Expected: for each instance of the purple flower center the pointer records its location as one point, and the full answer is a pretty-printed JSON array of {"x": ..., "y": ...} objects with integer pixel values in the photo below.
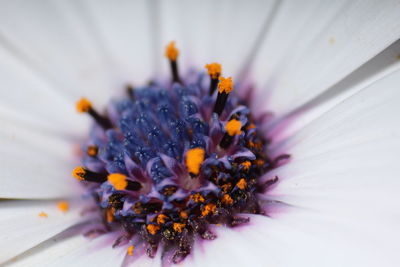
[{"x": 168, "y": 161}]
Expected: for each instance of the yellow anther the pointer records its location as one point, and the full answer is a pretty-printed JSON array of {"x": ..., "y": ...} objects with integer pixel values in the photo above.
[
  {"x": 227, "y": 200},
  {"x": 152, "y": 228},
  {"x": 241, "y": 184},
  {"x": 194, "y": 159},
  {"x": 43, "y": 215},
  {"x": 214, "y": 70},
  {"x": 178, "y": 227},
  {"x": 130, "y": 250},
  {"x": 79, "y": 173},
  {"x": 197, "y": 198},
  {"x": 92, "y": 150},
  {"x": 63, "y": 206},
  {"x": 233, "y": 127},
  {"x": 118, "y": 181},
  {"x": 246, "y": 165},
  {"x": 83, "y": 105},
  {"x": 225, "y": 85},
  {"x": 209, "y": 208},
  {"x": 161, "y": 218},
  {"x": 171, "y": 52}
]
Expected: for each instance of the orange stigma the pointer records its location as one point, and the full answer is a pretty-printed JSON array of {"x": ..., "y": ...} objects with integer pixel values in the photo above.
[
  {"x": 194, "y": 159},
  {"x": 63, "y": 206},
  {"x": 233, "y": 127},
  {"x": 225, "y": 85},
  {"x": 171, "y": 52},
  {"x": 118, "y": 181},
  {"x": 197, "y": 198},
  {"x": 83, "y": 105},
  {"x": 79, "y": 173},
  {"x": 214, "y": 70}
]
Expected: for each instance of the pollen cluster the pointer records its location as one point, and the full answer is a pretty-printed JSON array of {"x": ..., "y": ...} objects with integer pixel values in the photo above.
[{"x": 175, "y": 159}]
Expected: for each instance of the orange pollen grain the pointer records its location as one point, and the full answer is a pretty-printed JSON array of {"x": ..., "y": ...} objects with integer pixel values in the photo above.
[
  {"x": 161, "y": 218},
  {"x": 194, "y": 159},
  {"x": 83, "y": 105},
  {"x": 241, "y": 184},
  {"x": 171, "y": 52},
  {"x": 209, "y": 208},
  {"x": 183, "y": 214},
  {"x": 226, "y": 187},
  {"x": 246, "y": 165},
  {"x": 63, "y": 206},
  {"x": 118, "y": 181},
  {"x": 225, "y": 85},
  {"x": 152, "y": 228},
  {"x": 197, "y": 198},
  {"x": 214, "y": 70},
  {"x": 227, "y": 200},
  {"x": 92, "y": 151},
  {"x": 130, "y": 250},
  {"x": 233, "y": 127},
  {"x": 178, "y": 227},
  {"x": 43, "y": 215},
  {"x": 78, "y": 173}
]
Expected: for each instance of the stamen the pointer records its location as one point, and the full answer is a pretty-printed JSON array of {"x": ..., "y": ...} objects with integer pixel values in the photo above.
[
  {"x": 233, "y": 127},
  {"x": 171, "y": 52},
  {"x": 161, "y": 219},
  {"x": 119, "y": 182},
  {"x": 63, "y": 206},
  {"x": 178, "y": 227},
  {"x": 214, "y": 70},
  {"x": 209, "y": 208},
  {"x": 85, "y": 106},
  {"x": 82, "y": 174},
  {"x": 194, "y": 159},
  {"x": 225, "y": 86},
  {"x": 130, "y": 90},
  {"x": 152, "y": 228},
  {"x": 227, "y": 200},
  {"x": 241, "y": 184}
]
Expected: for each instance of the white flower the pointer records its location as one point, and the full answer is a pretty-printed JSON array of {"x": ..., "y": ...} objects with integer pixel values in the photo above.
[{"x": 329, "y": 69}]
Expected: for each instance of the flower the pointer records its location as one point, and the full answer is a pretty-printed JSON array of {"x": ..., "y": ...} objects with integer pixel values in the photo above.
[{"x": 328, "y": 71}]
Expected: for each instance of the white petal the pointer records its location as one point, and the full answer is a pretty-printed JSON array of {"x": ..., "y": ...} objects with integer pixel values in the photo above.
[
  {"x": 22, "y": 228},
  {"x": 35, "y": 163},
  {"x": 343, "y": 181},
  {"x": 75, "y": 251},
  {"x": 124, "y": 35},
  {"x": 61, "y": 46},
  {"x": 311, "y": 46},
  {"x": 208, "y": 31},
  {"x": 27, "y": 95},
  {"x": 375, "y": 69}
]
